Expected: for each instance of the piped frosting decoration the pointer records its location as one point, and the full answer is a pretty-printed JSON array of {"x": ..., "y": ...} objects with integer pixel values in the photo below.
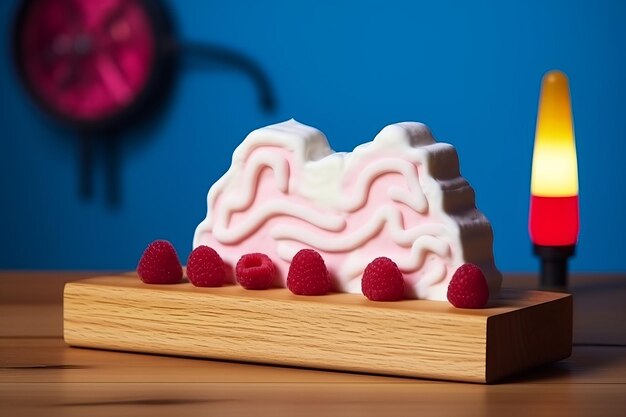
[{"x": 400, "y": 196}]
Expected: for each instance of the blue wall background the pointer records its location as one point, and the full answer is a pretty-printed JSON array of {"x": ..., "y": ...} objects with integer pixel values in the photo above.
[{"x": 470, "y": 70}]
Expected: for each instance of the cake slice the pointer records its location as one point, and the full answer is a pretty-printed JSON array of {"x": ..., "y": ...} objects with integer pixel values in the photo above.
[{"x": 399, "y": 196}]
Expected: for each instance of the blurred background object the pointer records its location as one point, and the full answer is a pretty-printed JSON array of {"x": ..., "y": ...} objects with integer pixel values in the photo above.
[
  {"x": 468, "y": 70},
  {"x": 101, "y": 66}
]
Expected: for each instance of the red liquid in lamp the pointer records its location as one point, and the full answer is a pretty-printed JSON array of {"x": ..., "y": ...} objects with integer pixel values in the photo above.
[{"x": 553, "y": 220}]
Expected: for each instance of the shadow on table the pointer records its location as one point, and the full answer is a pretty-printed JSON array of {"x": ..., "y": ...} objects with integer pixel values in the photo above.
[{"x": 588, "y": 364}]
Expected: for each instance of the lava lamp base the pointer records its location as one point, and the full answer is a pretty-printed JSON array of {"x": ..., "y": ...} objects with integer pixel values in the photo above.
[{"x": 554, "y": 265}]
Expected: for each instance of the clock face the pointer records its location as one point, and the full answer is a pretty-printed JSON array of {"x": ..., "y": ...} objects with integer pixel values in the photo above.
[{"x": 84, "y": 60}]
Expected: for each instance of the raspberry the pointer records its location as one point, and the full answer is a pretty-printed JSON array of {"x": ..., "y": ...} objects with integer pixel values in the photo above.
[
  {"x": 468, "y": 287},
  {"x": 383, "y": 281},
  {"x": 308, "y": 274},
  {"x": 255, "y": 271},
  {"x": 159, "y": 264},
  {"x": 205, "y": 268}
]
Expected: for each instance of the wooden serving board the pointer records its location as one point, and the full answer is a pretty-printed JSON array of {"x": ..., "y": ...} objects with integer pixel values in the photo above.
[{"x": 415, "y": 338}]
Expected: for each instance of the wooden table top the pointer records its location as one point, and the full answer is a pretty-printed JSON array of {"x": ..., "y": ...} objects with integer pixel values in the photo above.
[{"x": 40, "y": 375}]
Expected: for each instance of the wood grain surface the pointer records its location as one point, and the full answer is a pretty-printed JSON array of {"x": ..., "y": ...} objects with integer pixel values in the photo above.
[
  {"x": 413, "y": 338},
  {"x": 41, "y": 375}
]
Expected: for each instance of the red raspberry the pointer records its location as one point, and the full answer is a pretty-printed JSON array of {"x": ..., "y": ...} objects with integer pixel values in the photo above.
[
  {"x": 205, "y": 268},
  {"x": 468, "y": 287},
  {"x": 255, "y": 271},
  {"x": 308, "y": 274},
  {"x": 383, "y": 281},
  {"x": 159, "y": 264}
]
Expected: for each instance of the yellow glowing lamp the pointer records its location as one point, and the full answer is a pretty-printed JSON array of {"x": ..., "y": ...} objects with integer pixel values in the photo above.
[
  {"x": 555, "y": 171},
  {"x": 553, "y": 220}
]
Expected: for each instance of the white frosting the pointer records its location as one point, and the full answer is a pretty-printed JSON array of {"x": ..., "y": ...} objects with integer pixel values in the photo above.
[{"x": 400, "y": 196}]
